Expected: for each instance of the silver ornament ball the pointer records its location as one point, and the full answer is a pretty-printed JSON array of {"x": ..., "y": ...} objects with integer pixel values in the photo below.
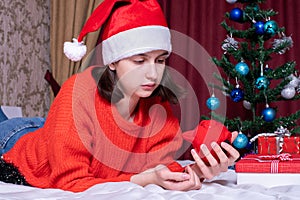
[
  {"x": 231, "y": 1},
  {"x": 288, "y": 93},
  {"x": 247, "y": 104}
]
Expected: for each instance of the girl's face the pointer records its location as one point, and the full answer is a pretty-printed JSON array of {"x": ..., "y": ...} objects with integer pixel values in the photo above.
[{"x": 139, "y": 75}]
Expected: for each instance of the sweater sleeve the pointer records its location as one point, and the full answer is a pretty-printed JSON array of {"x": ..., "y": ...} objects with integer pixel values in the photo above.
[
  {"x": 165, "y": 144},
  {"x": 69, "y": 158}
]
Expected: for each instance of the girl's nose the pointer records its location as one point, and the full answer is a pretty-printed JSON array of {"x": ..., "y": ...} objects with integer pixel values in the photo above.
[{"x": 151, "y": 72}]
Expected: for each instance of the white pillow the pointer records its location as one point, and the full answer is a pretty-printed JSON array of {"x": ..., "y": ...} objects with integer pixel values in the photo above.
[{"x": 12, "y": 111}]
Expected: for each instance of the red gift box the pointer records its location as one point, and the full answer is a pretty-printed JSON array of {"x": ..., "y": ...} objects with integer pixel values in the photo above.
[
  {"x": 291, "y": 145},
  {"x": 275, "y": 145},
  {"x": 268, "y": 145},
  {"x": 258, "y": 163},
  {"x": 269, "y": 170}
]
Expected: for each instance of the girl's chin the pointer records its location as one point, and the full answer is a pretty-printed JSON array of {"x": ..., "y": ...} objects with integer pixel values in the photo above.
[{"x": 144, "y": 94}]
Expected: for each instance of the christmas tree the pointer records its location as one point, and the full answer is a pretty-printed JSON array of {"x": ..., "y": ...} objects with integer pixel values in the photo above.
[{"x": 246, "y": 75}]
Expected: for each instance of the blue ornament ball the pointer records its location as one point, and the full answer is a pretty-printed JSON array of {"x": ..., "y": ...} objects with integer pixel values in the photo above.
[
  {"x": 237, "y": 95},
  {"x": 271, "y": 28},
  {"x": 213, "y": 103},
  {"x": 241, "y": 141},
  {"x": 262, "y": 82},
  {"x": 268, "y": 114},
  {"x": 259, "y": 27},
  {"x": 242, "y": 68},
  {"x": 236, "y": 14}
]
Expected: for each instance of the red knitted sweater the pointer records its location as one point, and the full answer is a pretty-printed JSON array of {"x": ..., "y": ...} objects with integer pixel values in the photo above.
[{"x": 85, "y": 141}]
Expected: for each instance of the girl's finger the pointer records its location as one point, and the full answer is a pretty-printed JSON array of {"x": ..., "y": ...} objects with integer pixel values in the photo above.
[
  {"x": 165, "y": 174},
  {"x": 195, "y": 180},
  {"x": 201, "y": 165},
  {"x": 233, "y": 154},
  {"x": 234, "y": 134},
  {"x": 210, "y": 158},
  {"x": 224, "y": 160}
]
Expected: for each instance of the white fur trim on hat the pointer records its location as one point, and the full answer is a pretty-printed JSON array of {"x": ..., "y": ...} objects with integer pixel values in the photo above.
[{"x": 136, "y": 41}]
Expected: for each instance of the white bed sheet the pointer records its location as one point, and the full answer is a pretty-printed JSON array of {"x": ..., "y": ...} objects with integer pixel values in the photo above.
[{"x": 223, "y": 187}]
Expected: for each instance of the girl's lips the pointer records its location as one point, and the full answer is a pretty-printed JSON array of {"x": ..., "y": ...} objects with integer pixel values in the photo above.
[{"x": 149, "y": 86}]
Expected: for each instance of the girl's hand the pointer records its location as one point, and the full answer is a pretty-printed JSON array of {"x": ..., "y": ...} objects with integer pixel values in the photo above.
[
  {"x": 215, "y": 167},
  {"x": 167, "y": 179}
]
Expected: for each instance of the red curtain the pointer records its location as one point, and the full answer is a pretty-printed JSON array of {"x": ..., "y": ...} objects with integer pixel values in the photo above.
[{"x": 199, "y": 21}]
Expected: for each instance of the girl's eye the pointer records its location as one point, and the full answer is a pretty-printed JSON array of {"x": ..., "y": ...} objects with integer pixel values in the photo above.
[
  {"x": 141, "y": 61},
  {"x": 161, "y": 61}
]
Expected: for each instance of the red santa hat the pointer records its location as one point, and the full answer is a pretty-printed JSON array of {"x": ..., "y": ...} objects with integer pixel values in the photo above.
[{"x": 129, "y": 27}]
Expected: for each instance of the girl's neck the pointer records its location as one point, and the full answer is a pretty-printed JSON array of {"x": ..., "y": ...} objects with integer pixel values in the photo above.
[{"x": 126, "y": 107}]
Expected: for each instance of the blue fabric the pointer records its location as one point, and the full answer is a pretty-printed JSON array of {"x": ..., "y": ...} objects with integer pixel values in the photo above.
[
  {"x": 13, "y": 129},
  {"x": 3, "y": 117}
]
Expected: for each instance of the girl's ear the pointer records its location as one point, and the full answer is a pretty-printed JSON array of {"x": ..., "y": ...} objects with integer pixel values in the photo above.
[{"x": 112, "y": 66}]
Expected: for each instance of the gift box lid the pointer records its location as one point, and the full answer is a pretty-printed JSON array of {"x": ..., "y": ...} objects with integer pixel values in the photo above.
[{"x": 258, "y": 163}]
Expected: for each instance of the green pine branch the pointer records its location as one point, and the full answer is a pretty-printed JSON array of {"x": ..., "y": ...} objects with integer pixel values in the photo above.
[{"x": 252, "y": 49}]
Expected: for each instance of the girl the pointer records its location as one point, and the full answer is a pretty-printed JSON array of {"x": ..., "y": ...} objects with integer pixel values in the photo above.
[{"x": 113, "y": 123}]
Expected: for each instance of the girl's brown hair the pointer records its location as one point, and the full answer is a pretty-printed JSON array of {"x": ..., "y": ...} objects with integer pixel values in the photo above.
[{"x": 106, "y": 80}]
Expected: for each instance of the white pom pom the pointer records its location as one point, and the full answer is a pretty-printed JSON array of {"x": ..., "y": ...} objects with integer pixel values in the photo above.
[{"x": 74, "y": 50}]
